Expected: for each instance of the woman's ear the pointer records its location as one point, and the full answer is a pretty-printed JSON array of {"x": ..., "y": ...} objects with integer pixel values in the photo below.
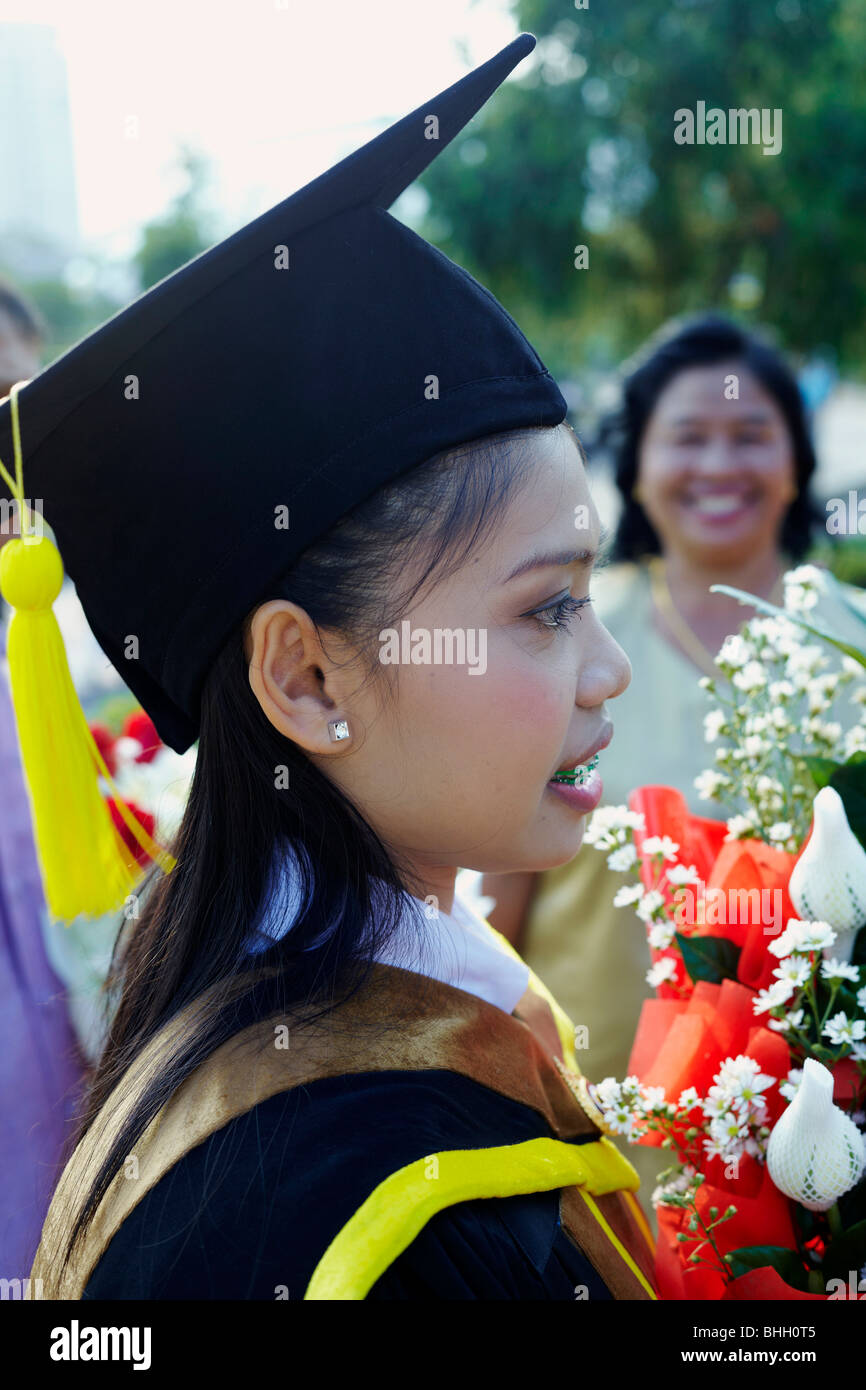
[{"x": 291, "y": 676}]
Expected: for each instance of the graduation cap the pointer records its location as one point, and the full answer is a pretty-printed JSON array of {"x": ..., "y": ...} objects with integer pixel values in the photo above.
[{"x": 282, "y": 375}]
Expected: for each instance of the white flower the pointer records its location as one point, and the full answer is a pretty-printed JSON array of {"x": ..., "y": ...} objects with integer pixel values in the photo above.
[
  {"x": 820, "y": 691},
  {"x": 660, "y": 844},
  {"x": 776, "y": 632},
  {"x": 622, "y": 859},
  {"x": 649, "y": 904},
  {"x": 820, "y": 730},
  {"x": 653, "y": 1098},
  {"x": 742, "y": 1076},
  {"x": 608, "y": 1092},
  {"x": 714, "y": 724},
  {"x": 772, "y": 998},
  {"x": 789, "y": 1020},
  {"x": 781, "y": 832},
  {"x": 841, "y": 1030},
  {"x": 805, "y": 577},
  {"x": 803, "y": 586},
  {"x": 661, "y": 934},
  {"x": 610, "y": 825},
  {"x": 752, "y": 677},
  {"x": 780, "y": 691},
  {"x": 676, "y": 1185},
  {"x": 839, "y": 970},
  {"x": 689, "y": 1099},
  {"x": 664, "y": 969},
  {"x": 802, "y": 938},
  {"x": 709, "y": 784},
  {"x": 806, "y": 574},
  {"x": 740, "y": 828},
  {"x": 715, "y": 1148},
  {"x": 758, "y": 724},
  {"x": 854, "y": 741},
  {"x": 796, "y": 970},
  {"x": 626, "y": 895},
  {"x": 735, "y": 651},
  {"x": 802, "y": 663},
  {"x": 789, "y": 1087},
  {"x": 754, "y": 746},
  {"x": 861, "y": 997},
  {"x": 680, "y": 874}
]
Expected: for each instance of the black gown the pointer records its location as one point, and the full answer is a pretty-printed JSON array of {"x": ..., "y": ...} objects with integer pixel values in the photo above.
[{"x": 249, "y": 1212}]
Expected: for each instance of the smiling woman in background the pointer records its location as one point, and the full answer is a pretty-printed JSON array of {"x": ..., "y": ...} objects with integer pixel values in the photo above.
[{"x": 713, "y": 459}]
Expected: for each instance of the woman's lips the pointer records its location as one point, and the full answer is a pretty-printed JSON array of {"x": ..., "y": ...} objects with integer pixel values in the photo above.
[{"x": 582, "y": 797}]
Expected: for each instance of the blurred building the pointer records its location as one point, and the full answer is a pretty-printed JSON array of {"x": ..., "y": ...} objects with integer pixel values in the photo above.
[{"x": 38, "y": 206}]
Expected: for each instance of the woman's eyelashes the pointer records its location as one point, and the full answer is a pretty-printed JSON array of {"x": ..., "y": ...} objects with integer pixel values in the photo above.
[{"x": 559, "y": 613}]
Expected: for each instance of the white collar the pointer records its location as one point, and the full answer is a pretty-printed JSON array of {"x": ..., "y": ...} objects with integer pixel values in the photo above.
[{"x": 458, "y": 948}]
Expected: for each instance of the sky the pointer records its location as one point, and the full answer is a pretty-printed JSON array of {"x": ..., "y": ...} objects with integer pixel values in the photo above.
[{"x": 272, "y": 91}]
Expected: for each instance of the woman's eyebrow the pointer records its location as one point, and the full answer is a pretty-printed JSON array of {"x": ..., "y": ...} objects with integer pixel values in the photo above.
[{"x": 557, "y": 558}]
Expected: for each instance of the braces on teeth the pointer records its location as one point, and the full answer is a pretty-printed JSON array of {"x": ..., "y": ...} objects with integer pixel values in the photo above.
[{"x": 577, "y": 775}]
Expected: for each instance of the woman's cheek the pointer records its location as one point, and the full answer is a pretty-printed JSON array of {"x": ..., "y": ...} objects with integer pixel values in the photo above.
[{"x": 536, "y": 707}]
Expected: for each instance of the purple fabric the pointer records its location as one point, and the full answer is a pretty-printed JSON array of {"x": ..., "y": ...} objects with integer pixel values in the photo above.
[{"x": 40, "y": 1066}]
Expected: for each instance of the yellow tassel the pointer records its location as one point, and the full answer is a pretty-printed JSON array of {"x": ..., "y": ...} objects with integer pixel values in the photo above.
[{"x": 86, "y": 867}]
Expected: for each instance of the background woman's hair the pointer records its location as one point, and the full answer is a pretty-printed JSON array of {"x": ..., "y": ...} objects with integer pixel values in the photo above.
[
  {"x": 702, "y": 342},
  {"x": 194, "y": 931},
  {"x": 27, "y": 319}
]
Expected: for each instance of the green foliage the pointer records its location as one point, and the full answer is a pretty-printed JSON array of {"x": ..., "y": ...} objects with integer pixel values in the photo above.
[
  {"x": 710, "y": 958},
  {"x": 846, "y": 1252},
  {"x": 69, "y": 314},
  {"x": 849, "y": 780},
  {"x": 581, "y": 151},
  {"x": 846, "y": 559},
  {"x": 786, "y": 1262},
  {"x": 182, "y": 233}
]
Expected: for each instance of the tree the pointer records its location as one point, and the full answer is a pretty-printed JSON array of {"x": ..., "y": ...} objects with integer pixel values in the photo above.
[
  {"x": 184, "y": 231},
  {"x": 582, "y": 151}
]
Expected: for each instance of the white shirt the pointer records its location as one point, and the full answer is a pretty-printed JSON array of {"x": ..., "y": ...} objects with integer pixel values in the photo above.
[{"x": 456, "y": 948}]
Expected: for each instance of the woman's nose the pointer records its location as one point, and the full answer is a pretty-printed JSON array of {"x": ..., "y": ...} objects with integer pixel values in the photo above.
[{"x": 608, "y": 675}]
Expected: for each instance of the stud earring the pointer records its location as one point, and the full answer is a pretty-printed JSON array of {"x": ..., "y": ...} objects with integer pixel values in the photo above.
[{"x": 338, "y": 729}]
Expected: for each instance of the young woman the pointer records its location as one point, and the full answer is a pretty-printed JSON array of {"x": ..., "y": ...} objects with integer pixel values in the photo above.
[{"x": 366, "y": 596}]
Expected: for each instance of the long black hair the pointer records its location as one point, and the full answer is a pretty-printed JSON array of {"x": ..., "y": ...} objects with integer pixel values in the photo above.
[
  {"x": 700, "y": 342},
  {"x": 189, "y": 949}
]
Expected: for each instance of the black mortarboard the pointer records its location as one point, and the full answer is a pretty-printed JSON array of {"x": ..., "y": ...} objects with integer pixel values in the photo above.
[{"x": 284, "y": 368}]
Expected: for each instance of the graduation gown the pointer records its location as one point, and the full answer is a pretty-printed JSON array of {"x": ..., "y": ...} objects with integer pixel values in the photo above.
[{"x": 417, "y": 1142}]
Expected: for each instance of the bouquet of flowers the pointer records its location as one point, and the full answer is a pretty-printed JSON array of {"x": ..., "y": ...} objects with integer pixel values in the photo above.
[{"x": 750, "y": 1064}]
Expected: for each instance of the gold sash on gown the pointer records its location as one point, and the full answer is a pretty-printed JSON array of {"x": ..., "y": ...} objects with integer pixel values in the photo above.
[{"x": 428, "y": 1025}]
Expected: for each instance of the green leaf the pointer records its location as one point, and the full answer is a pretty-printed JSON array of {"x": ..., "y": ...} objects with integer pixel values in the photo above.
[
  {"x": 846, "y": 1252},
  {"x": 821, "y": 770},
  {"x": 849, "y": 780},
  {"x": 786, "y": 1262},
  {"x": 858, "y": 954},
  {"x": 817, "y": 629},
  {"x": 711, "y": 958}
]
